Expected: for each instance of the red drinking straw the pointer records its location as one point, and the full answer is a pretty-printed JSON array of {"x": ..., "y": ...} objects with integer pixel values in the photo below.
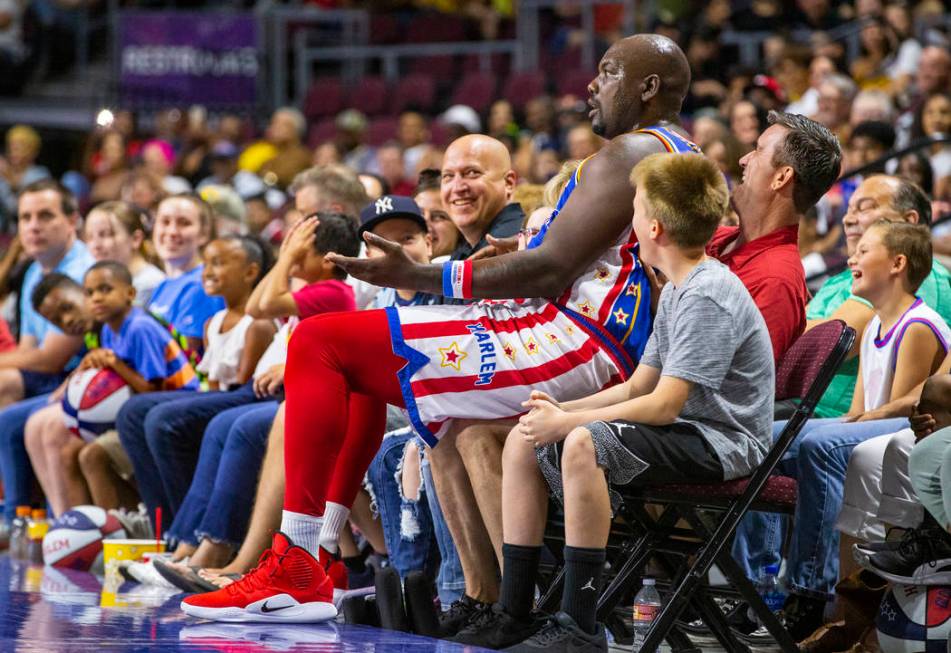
[{"x": 158, "y": 529}]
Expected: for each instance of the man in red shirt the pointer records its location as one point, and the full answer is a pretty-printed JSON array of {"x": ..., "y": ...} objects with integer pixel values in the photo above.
[{"x": 795, "y": 162}]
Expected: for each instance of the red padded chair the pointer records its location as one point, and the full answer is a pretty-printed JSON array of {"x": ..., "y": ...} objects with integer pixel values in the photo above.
[
  {"x": 321, "y": 132},
  {"x": 476, "y": 90},
  {"x": 324, "y": 98},
  {"x": 369, "y": 96},
  {"x": 522, "y": 87},
  {"x": 414, "y": 92},
  {"x": 574, "y": 82},
  {"x": 381, "y": 130}
]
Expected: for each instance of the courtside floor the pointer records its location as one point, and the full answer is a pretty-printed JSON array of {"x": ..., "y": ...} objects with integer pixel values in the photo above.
[{"x": 62, "y": 611}]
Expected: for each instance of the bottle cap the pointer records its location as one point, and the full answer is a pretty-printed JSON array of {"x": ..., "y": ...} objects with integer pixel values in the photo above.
[
  {"x": 23, "y": 511},
  {"x": 38, "y": 513},
  {"x": 771, "y": 569},
  {"x": 649, "y": 581}
]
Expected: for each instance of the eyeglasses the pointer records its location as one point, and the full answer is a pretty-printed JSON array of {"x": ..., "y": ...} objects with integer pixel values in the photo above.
[{"x": 528, "y": 232}]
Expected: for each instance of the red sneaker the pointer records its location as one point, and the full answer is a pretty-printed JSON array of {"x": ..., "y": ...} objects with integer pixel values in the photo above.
[
  {"x": 334, "y": 568},
  {"x": 288, "y": 585}
]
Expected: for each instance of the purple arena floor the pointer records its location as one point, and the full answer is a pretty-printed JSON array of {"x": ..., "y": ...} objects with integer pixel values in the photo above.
[{"x": 61, "y": 611}]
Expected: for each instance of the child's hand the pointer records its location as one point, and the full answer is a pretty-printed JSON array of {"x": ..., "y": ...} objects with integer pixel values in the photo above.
[
  {"x": 98, "y": 359},
  {"x": 538, "y": 395},
  {"x": 922, "y": 424},
  {"x": 57, "y": 394},
  {"x": 545, "y": 423},
  {"x": 270, "y": 382},
  {"x": 300, "y": 240}
]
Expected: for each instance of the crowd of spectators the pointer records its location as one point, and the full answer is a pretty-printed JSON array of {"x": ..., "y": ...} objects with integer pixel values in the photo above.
[{"x": 186, "y": 244}]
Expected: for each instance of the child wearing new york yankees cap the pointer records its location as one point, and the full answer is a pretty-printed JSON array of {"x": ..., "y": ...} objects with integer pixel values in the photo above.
[{"x": 399, "y": 220}]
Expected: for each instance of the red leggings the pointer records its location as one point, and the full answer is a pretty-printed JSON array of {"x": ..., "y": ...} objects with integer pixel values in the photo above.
[{"x": 341, "y": 374}]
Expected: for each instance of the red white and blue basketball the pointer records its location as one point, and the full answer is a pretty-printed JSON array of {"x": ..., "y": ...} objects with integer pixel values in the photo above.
[
  {"x": 74, "y": 540},
  {"x": 915, "y": 619},
  {"x": 92, "y": 401}
]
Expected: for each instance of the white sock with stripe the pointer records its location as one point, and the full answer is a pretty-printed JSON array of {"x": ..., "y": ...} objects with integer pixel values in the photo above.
[
  {"x": 303, "y": 530},
  {"x": 335, "y": 516}
]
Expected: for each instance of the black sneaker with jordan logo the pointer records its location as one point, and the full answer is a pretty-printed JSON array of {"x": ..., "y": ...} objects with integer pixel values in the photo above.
[{"x": 496, "y": 628}]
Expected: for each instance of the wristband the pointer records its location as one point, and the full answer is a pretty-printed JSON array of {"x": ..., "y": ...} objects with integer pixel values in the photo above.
[{"x": 457, "y": 279}]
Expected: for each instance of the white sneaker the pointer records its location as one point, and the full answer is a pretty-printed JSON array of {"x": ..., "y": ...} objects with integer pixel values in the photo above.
[
  {"x": 137, "y": 525},
  {"x": 147, "y": 574}
]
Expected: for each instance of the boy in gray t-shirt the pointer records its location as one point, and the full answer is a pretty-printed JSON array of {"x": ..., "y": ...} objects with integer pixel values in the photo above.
[{"x": 698, "y": 408}]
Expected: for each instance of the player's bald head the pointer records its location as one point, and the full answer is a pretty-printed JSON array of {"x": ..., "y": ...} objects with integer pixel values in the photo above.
[
  {"x": 490, "y": 152},
  {"x": 936, "y": 393},
  {"x": 640, "y": 78}
]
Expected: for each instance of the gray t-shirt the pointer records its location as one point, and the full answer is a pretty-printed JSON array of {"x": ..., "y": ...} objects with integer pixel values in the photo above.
[{"x": 708, "y": 331}]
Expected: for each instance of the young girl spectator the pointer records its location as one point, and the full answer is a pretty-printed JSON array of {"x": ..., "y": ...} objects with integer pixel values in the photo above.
[
  {"x": 114, "y": 232},
  {"x": 903, "y": 344},
  {"x": 935, "y": 118},
  {"x": 136, "y": 347}
]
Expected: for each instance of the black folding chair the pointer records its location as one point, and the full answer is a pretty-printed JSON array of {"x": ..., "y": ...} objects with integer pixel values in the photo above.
[{"x": 713, "y": 511}]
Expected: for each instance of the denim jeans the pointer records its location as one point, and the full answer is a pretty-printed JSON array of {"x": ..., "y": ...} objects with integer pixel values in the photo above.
[
  {"x": 817, "y": 459},
  {"x": 15, "y": 467},
  {"x": 219, "y": 501},
  {"x": 410, "y": 525},
  {"x": 162, "y": 432}
]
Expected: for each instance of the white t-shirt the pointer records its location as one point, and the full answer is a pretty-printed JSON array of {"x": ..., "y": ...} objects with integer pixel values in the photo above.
[
  {"x": 879, "y": 353},
  {"x": 223, "y": 354},
  {"x": 145, "y": 281}
]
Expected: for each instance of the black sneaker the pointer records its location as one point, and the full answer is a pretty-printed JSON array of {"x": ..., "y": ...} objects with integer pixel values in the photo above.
[
  {"x": 496, "y": 628},
  {"x": 802, "y": 616},
  {"x": 923, "y": 558},
  {"x": 562, "y": 635},
  {"x": 459, "y": 614}
]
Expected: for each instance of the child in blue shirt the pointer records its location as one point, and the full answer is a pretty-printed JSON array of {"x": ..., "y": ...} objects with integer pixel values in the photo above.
[{"x": 136, "y": 347}]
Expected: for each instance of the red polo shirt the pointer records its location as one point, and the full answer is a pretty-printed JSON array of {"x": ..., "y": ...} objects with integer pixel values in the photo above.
[{"x": 771, "y": 270}]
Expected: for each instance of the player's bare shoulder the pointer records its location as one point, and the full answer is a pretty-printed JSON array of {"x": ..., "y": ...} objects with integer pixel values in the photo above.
[{"x": 623, "y": 152}]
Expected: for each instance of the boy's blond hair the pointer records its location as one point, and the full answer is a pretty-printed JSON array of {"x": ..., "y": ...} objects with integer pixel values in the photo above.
[
  {"x": 686, "y": 193},
  {"x": 557, "y": 183},
  {"x": 913, "y": 241},
  {"x": 529, "y": 196}
]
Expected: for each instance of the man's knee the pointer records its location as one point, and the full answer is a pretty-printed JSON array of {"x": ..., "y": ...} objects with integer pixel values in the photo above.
[
  {"x": 578, "y": 455},
  {"x": 93, "y": 458},
  {"x": 475, "y": 443},
  {"x": 898, "y": 449}
]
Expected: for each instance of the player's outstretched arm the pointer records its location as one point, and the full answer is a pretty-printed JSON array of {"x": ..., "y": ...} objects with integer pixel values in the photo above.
[{"x": 591, "y": 221}]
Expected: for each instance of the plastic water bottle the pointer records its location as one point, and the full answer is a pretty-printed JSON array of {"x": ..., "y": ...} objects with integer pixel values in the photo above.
[
  {"x": 18, "y": 533},
  {"x": 36, "y": 530},
  {"x": 646, "y": 608},
  {"x": 771, "y": 591}
]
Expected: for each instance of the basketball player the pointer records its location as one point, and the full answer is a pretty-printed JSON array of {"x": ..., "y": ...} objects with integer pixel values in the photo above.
[{"x": 477, "y": 361}]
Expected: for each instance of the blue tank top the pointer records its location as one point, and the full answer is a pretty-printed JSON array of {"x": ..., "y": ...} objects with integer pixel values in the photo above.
[{"x": 624, "y": 320}]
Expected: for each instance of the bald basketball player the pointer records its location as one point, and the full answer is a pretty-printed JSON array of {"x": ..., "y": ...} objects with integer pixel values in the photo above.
[{"x": 581, "y": 326}]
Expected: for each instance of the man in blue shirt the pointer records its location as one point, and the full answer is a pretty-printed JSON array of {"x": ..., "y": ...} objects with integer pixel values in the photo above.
[{"x": 46, "y": 224}]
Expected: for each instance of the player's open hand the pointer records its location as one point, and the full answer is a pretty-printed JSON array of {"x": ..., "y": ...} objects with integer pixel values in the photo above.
[
  {"x": 394, "y": 269},
  {"x": 496, "y": 247},
  {"x": 544, "y": 423}
]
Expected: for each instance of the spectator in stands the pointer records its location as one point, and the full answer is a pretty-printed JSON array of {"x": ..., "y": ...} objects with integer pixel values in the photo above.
[
  {"x": 224, "y": 171},
  {"x": 443, "y": 233},
  {"x": 351, "y": 133},
  {"x": 389, "y": 159},
  {"x": 477, "y": 186},
  {"x": 113, "y": 231},
  {"x": 835, "y": 104},
  {"x": 413, "y": 135},
  {"x": 134, "y": 346},
  {"x": 286, "y": 133},
  {"x": 18, "y": 168},
  {"x": 108, "y": 167},
  {"x": 143, "y": 191},
  {"x": 868, "y": 142},
  {"x": 229, "y": 210},
  {"x": 502, "y": 120},
  {"x": 935, "y": 118},
  {"x": 460, "y": 120},
  {"x": 916, "y": 168},
  {"x": 933, "y": 76},
  {"x": 375, "y": 185},
  {"x": 582, "y": 142},
  {"x": 747, "y": 122},
  {"x": 566, "y": 446},
  {"x": 879, "y": 47},
  {"x": 872, "y": 105},
  {"x": 891, "y": 261},
  {"x": 158, "y": 158}
]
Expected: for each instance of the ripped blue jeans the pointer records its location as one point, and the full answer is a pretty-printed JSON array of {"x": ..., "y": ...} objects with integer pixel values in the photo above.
[{"x": 417, "y": 537}]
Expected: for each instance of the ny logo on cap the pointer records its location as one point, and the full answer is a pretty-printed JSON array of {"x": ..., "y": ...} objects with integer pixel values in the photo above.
[{"x": 384, "y": 205}]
